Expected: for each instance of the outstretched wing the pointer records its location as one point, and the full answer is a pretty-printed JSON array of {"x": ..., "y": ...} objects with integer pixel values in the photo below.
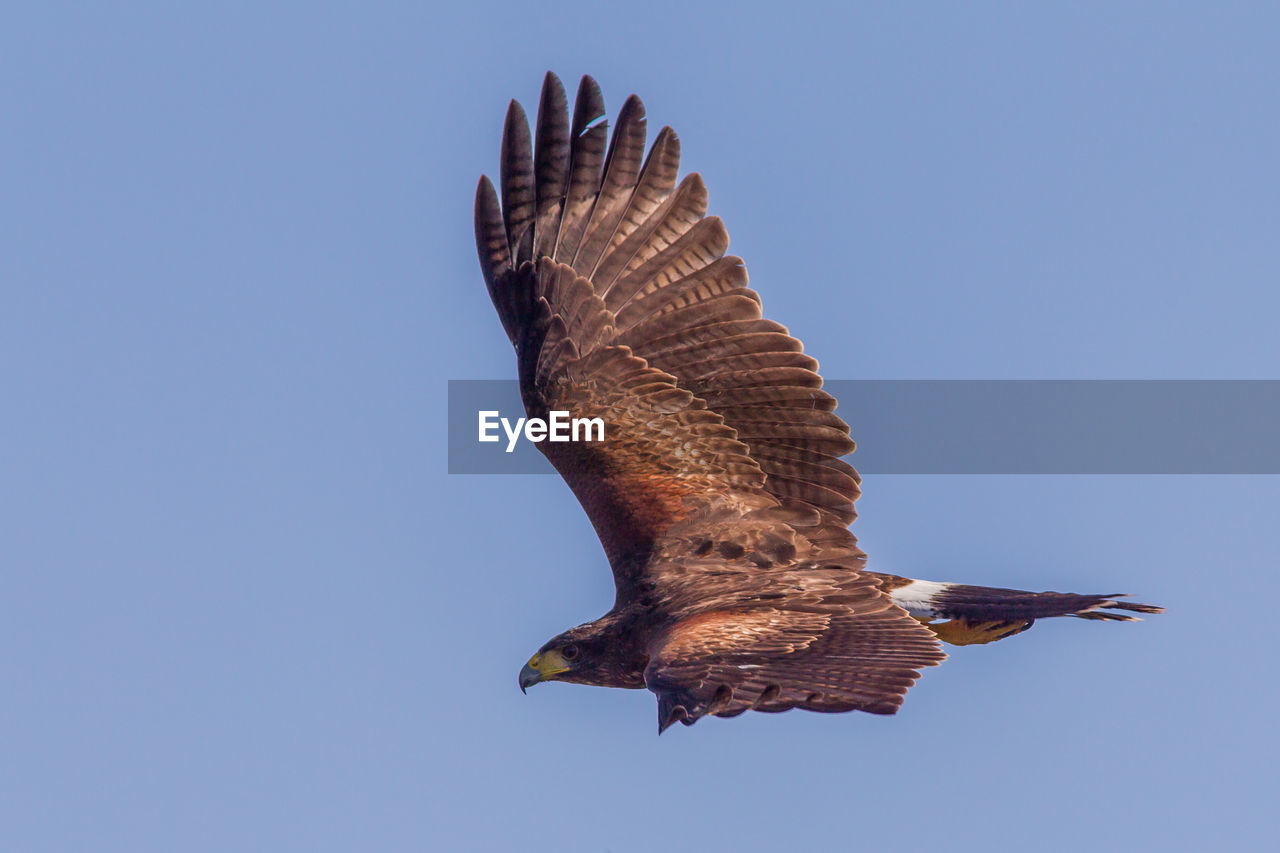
[
  {"x": 837, "y": 645},
  {"x": 614, "y": 287}
]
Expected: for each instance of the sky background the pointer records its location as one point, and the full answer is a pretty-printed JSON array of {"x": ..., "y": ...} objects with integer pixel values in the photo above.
[{"x": 242, "y": 605}]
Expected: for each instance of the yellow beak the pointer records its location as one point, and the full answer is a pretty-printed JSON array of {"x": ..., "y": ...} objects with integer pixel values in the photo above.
[{"x": 543, "y": 666}]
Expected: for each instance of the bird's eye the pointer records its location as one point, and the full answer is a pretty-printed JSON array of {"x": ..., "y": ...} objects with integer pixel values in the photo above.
[{"x": 569, "y": 652}]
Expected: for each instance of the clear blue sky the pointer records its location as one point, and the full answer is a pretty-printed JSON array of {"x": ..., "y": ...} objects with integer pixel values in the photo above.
[{"x": 242, "y": 607}]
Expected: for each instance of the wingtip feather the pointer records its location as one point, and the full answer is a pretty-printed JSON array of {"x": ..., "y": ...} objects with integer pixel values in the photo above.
[{"x": 491, "y": 235}]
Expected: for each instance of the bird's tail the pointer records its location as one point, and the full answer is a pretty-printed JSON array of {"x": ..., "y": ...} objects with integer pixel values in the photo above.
[{"x": 963, "y": 615}]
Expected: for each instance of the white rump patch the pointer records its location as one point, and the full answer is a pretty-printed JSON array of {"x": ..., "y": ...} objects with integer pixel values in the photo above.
[{"x": 917, "y": 597}]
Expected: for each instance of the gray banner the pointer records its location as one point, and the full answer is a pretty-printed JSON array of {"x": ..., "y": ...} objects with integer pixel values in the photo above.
[{"x": 981, "y": 426}]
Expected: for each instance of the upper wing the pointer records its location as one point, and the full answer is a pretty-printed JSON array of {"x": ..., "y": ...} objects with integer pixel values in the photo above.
[
  {"x": 613, "y": 286},
  {"x": 835, "y": 644}
]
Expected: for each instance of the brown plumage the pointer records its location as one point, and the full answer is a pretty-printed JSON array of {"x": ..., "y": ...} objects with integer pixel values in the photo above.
[{"x": 718, "y": 492}]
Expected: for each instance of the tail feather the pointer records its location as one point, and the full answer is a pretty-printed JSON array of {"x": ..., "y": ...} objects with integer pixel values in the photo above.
[
  {"x": 984, "y": 614},
  {"x": 1111, "y": 603},
  {"x": 985, "y": 602}
]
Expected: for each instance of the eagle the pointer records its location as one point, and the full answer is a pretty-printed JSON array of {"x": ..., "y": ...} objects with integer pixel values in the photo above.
[{"x": 718, "y": 490}]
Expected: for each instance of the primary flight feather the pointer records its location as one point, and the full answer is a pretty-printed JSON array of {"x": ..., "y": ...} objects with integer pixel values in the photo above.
[{"x": 718, "y": 492}]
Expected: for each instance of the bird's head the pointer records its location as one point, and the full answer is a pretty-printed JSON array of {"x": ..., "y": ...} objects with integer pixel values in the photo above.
[{"x": 582, "y": 655}]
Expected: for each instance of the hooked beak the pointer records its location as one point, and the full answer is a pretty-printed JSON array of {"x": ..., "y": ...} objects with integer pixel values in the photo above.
[{"x": 542, "y": 667}]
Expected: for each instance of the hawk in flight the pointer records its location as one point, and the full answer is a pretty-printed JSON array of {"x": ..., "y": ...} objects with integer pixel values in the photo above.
[{"x": 718, "y": 492}]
